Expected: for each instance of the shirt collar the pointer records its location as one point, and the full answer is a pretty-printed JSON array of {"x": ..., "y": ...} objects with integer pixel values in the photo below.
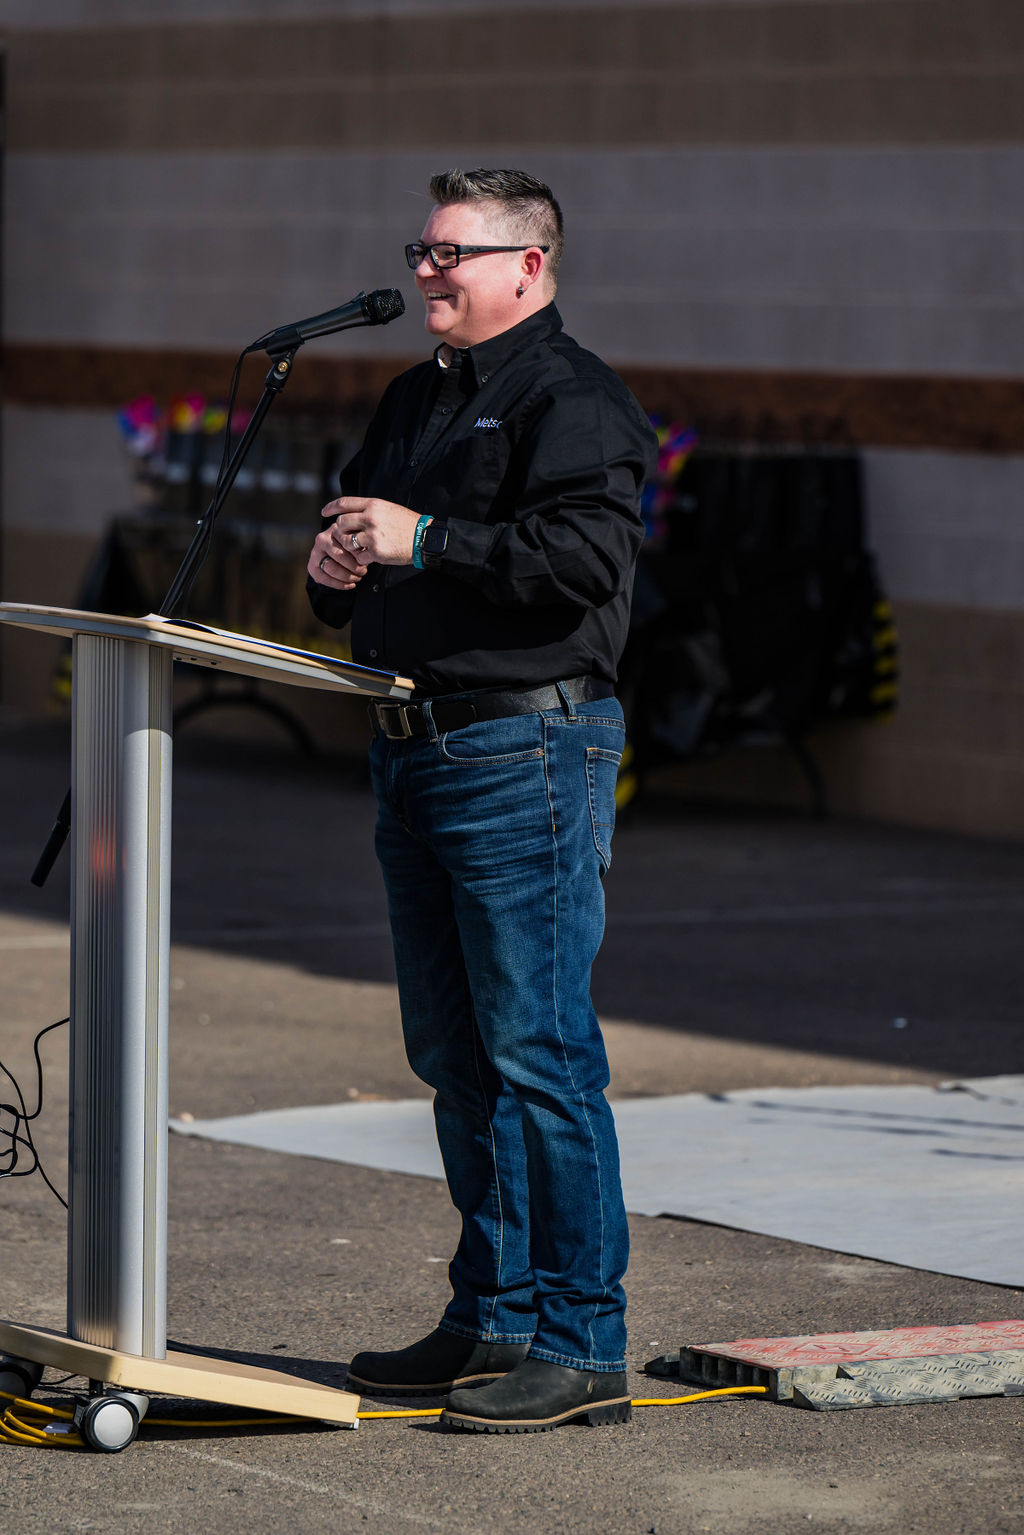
[{"x": 487, "y": 356}]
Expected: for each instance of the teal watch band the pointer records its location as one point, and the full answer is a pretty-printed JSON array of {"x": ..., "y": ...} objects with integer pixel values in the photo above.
[{"x": 417, "y": 540}]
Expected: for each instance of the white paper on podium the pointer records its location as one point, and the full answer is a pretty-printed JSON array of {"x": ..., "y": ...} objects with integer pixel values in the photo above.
[{"x": 219, "y": 649}]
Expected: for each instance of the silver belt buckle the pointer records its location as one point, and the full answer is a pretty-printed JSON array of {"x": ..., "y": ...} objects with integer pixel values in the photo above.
[{"x": 405, "y": 732}]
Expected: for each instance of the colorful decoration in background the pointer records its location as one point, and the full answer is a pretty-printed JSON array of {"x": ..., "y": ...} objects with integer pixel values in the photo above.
[
  {"x": 168, "y": 442},
  {"x": 185, "y": 413},
  {"x": 144, "y": 424},
  {"x": 675, "y": 444},
  {"x": 141, "y": 424},
  {"x": 214, "y": 418}
]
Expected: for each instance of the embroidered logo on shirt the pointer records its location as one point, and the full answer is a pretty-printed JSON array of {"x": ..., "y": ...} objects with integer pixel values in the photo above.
[{"x": 486, "y": 424}]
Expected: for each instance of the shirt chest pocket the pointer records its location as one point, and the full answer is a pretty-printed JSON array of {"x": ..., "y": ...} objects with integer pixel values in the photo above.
[{"x": 467, "y": 478}]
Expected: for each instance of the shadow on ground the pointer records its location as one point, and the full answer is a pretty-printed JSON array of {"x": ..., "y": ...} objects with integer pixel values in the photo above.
[{"x": 852, "y": 939}]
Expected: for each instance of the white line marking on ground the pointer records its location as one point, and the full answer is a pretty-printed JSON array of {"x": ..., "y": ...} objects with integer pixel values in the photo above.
[{"x": 320, "y": 1489}]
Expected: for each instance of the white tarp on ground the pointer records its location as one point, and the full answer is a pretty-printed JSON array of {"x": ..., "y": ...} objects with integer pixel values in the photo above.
[{"x": 928, "y": 1177}]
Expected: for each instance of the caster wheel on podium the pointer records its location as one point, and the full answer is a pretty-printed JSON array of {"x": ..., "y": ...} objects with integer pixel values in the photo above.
[
  {"x": 107, "y": 1423},
  {"x": 18, "y": 1377}
]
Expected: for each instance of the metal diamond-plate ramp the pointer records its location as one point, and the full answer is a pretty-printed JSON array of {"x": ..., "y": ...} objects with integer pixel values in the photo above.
[{"x": 826, "y": 1371}]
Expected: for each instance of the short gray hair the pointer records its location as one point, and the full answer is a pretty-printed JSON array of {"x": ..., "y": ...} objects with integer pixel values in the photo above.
[{"x": 527, "y": 208}]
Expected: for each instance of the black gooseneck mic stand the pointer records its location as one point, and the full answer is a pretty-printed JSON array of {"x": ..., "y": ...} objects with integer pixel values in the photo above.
[
  {"x": 184, "y": 580},
  {"x": 377, "y": 308},
  {"x": 180, "y": 588}
]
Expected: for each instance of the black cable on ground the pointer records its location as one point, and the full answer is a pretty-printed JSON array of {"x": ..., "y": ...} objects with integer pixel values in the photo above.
[{"x": 19, "y": 1134}]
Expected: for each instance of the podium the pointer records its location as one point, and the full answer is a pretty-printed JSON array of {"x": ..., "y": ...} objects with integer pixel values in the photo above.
[{"x": 120, "y": 942}]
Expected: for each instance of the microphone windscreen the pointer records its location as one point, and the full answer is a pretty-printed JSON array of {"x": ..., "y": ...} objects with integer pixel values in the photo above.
[{"x": 384, "y": 304}]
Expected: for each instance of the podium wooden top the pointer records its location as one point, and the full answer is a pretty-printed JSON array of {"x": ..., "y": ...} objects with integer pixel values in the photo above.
[{"x": 216, "y": 648}]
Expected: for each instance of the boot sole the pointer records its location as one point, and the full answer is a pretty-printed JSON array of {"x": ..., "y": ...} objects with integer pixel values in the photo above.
[
  {"x": 600, "y": 1415},
  {"x": 431, "y": 1388}
]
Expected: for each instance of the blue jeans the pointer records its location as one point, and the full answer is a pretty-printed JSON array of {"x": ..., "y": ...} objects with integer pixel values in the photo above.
[{"x": 493, "y": 840}]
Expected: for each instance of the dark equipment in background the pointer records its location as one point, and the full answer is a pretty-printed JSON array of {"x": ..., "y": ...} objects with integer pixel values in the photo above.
[{"x": 758, "y": 612}]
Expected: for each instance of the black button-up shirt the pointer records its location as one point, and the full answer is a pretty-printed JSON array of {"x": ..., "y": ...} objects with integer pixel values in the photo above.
[{"x": 533, "y": 452}]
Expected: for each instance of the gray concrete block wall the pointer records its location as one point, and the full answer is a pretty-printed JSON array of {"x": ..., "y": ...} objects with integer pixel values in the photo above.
[
  {"x": 105, "y": 13},
  {"x": 949, "y": 528},
  {"x": 830, "y": 258},
  {"x": 193, "y": 250},
  {"x": 64, "y": 471},
  {"x": 763, "y": 258},
  {"x": 701, "y": 72},
  {"x": 696, "y": 257}
]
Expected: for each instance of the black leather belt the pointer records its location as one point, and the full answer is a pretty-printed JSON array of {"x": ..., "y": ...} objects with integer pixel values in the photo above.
[{"x": 454, "y": 710}]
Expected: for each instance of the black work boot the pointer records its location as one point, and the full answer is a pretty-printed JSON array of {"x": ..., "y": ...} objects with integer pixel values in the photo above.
[
  {"x": 537, "y": 1396},
  {"x": 434, "y": 1364}
]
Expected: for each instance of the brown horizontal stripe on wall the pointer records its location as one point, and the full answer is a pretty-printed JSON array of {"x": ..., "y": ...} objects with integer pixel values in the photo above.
[
  {"x": 751, "y": 72},
  {"x": 981, "y": 415},
  {"x": 93, "y": 376},
  {"x": 965, "y": 415}
]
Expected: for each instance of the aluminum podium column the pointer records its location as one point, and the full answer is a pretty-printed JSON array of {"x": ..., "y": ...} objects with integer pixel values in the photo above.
[
  {"x": 120, "y": 945},
  {"x": 120, "y": 925}
]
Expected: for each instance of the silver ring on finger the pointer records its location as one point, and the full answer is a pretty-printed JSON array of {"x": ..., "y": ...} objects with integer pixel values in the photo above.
[
  {"x": 323, "y": 562},
  {"x": 355, "y": 543}
]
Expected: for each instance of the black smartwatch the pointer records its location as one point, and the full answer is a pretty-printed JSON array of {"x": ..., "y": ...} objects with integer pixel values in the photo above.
[{"x": 435, "y": 541}]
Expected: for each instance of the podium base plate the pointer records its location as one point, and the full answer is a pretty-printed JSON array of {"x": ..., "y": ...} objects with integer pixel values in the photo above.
[{"x": 187, "y": 1375}]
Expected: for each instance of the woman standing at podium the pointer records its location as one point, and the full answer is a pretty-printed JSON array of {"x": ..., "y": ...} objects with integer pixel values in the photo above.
[{"x": 484, "y": 544}]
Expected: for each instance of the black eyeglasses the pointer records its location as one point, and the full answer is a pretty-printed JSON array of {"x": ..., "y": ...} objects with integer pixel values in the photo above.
[{"x": 446, "y": 255}]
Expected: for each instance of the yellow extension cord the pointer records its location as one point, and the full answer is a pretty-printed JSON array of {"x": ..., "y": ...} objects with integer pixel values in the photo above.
[{"x": 53, "y": 1435}]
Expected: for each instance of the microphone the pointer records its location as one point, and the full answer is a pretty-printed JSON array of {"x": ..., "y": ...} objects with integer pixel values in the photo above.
[{"x": 377, "y": 308}]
